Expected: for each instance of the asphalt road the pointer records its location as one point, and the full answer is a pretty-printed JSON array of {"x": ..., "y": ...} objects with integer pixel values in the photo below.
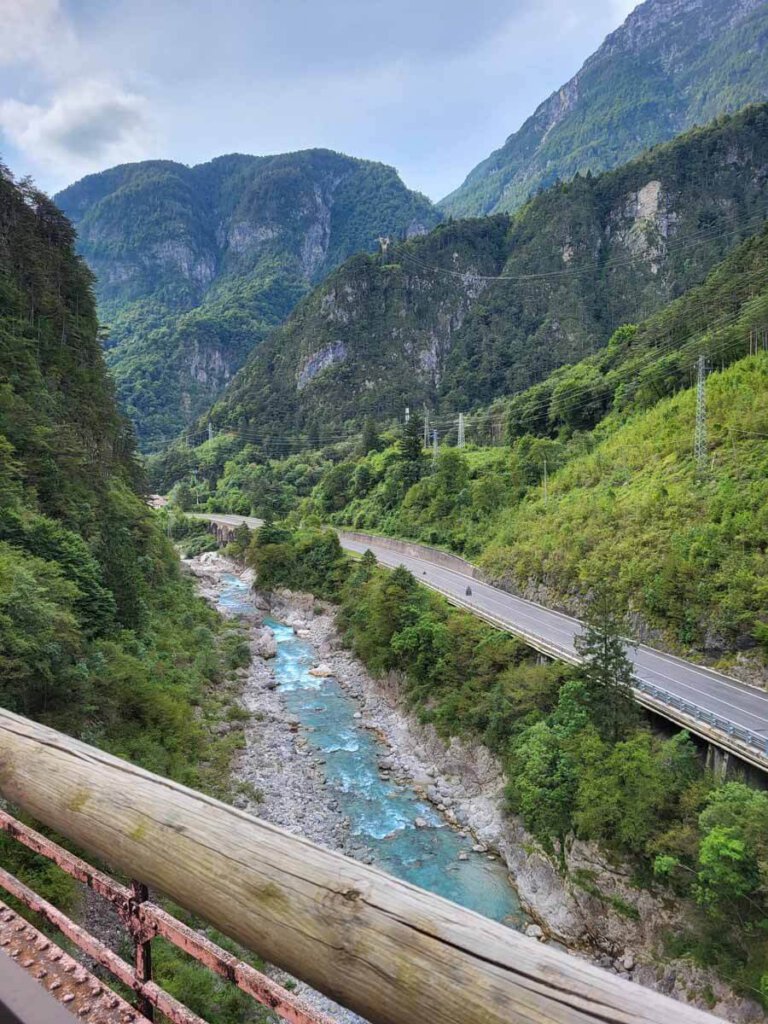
[{"x": 733, "y": 707}]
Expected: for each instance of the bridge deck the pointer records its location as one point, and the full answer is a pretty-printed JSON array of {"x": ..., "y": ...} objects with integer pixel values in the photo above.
[{"x": 67, "y": 981}]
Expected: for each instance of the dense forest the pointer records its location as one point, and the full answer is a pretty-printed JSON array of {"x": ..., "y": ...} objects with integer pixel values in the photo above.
[
  {"x": 488, "y": 307},
  {"x": 195, "y": 265},
  {"x": 100, "y": 635},
  {"x": 667, "y": 68}
]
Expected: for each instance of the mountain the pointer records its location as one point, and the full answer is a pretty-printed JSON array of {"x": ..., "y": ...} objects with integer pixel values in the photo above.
[
  {"x": 671, "y": 65},
  {"x": 194, "y": 265},
  {"x": 487, "y": 307},
  {"x": 616, "y": 433}
]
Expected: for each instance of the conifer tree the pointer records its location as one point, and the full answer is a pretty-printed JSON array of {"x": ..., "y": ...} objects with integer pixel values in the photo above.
[
  {"x": 606, "y": 668},
  {"x": 370, "y": 442},
  {"x": 411, "y": 449}
]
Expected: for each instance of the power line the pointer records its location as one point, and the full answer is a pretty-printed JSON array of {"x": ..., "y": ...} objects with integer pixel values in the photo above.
[
  {"x": 295, "y": 443},
  {"x": 683, "y": 242}
]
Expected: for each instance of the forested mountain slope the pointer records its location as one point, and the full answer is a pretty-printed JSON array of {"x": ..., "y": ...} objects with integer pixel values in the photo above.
[
  {"x": 483, "y": 308},
  {"x": 96, "y": 624},
  {"x": 672, "y": 64},
  {"x": 194, "y": 265},
  {"x": 598, "y": 484}
]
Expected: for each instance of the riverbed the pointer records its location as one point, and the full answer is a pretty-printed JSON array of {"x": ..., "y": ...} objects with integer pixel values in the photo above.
[{"x": 386, "y": 822}]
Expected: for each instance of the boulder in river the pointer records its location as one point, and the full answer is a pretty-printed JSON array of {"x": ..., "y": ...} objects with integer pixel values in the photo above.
[
  {"x": 322, "y": 671},
  {"x": 264, "y": 643}
]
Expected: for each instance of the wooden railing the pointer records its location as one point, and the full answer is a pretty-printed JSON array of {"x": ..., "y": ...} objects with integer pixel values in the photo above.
[{"x": 385, "y": 949}]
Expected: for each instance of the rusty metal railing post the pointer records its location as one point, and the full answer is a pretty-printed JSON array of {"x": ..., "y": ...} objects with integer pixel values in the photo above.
[{"x": 142, "y": 948}]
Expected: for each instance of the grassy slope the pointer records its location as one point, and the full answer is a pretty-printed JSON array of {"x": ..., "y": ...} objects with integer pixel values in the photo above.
[{"x": 689, "y": 556}]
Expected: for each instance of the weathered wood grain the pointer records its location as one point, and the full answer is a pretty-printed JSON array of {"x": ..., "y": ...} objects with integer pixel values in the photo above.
[{"x": 389, "y": 951}]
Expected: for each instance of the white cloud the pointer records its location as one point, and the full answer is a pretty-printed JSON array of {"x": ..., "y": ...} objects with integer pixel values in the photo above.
[
  {"x": 85, "y": 126},
  {"x": 70, "y": 113},
  {"x": 35, "y": 32}
]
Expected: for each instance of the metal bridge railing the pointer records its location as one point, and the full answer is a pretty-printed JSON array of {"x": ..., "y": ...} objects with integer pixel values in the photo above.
[
  {"x": 144, "y": 921},
  {"x": 752, "y": 739}
]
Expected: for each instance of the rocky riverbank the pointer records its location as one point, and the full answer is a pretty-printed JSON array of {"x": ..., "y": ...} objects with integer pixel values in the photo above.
[{"x": 596, "y": 912}]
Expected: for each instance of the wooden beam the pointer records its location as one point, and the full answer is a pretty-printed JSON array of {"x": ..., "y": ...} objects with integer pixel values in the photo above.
[{"x": 387, "y": 950}]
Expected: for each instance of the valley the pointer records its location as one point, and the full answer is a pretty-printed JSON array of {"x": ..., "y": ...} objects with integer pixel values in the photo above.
[{"x": 384, "y": 577}]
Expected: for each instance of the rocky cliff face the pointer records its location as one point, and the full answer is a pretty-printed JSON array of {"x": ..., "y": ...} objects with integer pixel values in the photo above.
[
  {"x": 483, "y": 308},
  {"x": 195, "y": 265},
  {"x": 672, "y": 64}
]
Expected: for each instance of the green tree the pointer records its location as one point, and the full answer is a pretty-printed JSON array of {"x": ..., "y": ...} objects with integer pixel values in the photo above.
[
  {"x": 606, "y": 668},
  {"x": 411, "y": 450},
  {"x": 631, "y": 792},
  {"x": 733, "y": 855},
  {"x": 370, "y": 441},
  {"x": 335, "y": 489},
  {"x": 182, "y": 496},
  {"x": 544, "y": 780}
]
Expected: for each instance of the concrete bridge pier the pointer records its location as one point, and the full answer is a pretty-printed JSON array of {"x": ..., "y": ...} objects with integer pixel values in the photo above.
[{"x": 718, "y": 761}]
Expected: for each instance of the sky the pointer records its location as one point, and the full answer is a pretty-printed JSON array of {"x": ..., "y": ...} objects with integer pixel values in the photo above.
[{"x": 429, "y": 86}]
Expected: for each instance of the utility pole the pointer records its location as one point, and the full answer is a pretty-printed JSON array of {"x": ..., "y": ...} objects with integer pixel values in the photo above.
[
  {"x": 461, "y": 430},
  {"x": 700, "y": 438},
  {"x": 210, "y": 431},
  {"x": 407, "y": 414}
]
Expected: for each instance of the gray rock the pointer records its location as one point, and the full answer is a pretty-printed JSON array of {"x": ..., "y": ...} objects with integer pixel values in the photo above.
[{"x": 264, "y": 644}]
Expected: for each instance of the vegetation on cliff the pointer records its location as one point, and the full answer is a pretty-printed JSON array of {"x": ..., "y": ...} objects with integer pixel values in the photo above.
[
  {"x": 670, "y": 66},
  {"x": 100, "y": 635},
  {"x": 196, "y": 264},
  {"x": 480, "y": 309}
]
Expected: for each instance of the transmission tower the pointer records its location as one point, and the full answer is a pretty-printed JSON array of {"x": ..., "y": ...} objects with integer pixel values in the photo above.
[
  {"x": 461, "y": 430},
  {"x": 700, "y": 439},
  {"x": 407, "y": 414},
  {"x": 434, "y": 448}
]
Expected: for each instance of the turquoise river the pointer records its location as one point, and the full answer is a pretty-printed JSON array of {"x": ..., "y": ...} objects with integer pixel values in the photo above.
[{"x": 381, "y": 812}]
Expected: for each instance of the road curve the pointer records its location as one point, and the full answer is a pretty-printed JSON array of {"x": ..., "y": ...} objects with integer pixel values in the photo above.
[{"x": 722, "y": 709}]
